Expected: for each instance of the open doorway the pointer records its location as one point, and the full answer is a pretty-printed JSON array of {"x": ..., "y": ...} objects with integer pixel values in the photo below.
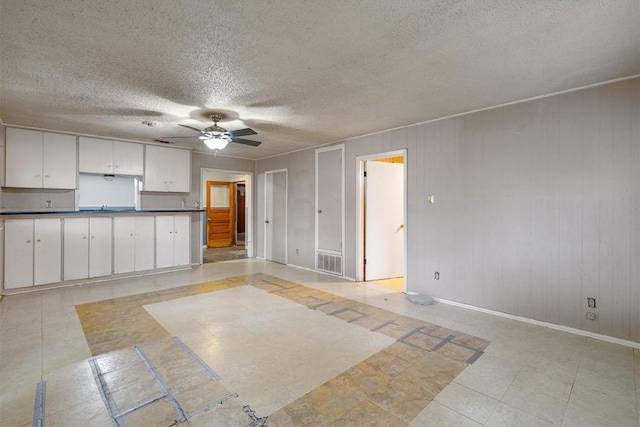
[
  {"x": 226, "y": 197},
  {"x": 382, "y": 219}
]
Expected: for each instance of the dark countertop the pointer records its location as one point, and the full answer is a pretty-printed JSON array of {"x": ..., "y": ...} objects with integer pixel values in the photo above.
[{"x": 108, "y": 211}]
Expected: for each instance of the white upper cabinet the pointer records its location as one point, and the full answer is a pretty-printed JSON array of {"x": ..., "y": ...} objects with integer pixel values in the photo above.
[
  {"x": 128, "y": 158},
  {"x": 36, "y": 159},
  {"x": 110, "y": 157},
  {"x": 167, "y": 169}
]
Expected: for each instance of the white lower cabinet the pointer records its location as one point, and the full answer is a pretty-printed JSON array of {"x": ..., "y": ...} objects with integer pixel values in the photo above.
[
  {"x": 76, "y": 248},
  {"x": 172, "y": 241},
  {"x": 32, "y": 252},
  {"x": 87, "y": 248},
  {"x": 100, "y": 247},
  {"x": 133, "y": 244},
  {"x": 39, "y": 251}
]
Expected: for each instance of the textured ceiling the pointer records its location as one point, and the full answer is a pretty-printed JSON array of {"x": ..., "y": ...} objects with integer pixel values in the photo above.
[{"x": 299, "y": 72}]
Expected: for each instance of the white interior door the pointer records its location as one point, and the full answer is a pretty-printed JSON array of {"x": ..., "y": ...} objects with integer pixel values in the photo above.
[
  {"x": 384, "y": 216},
  {"x": 329, "y": 199},
  {"x": 275, "y": 224}
]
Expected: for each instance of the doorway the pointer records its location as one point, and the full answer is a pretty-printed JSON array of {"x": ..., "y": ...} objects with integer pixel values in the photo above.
[
  {"x": 227, "y": 231},
  {"x": 382, "y": 219},
  {"x": 275, "y": 214}
]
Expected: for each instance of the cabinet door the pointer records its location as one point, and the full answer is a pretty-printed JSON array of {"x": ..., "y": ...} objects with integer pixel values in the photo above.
[
  {"x": 23, "y": 158},
  {"x": 59, "y": 161},
  {"x": 100, "y": 256},
  {"x": 156, "y": 167},
  {"x": 181, "y": 247},
  {"x": 164, "y": 241},
  {"x": 96, "y": 155},
  {"x": 76, "y": 248},
  {"x": 180, "y": 170},
  {"x": 124, "y": 229},
  {"x": 144, "y": 243},
  {"x": 127, "y": 158},
  {"x": 47, "y": 251},
  {"x": 18, "y": 253}
]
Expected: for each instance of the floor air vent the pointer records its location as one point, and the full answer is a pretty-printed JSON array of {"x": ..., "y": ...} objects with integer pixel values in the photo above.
[{"x": 330, "y": 263}]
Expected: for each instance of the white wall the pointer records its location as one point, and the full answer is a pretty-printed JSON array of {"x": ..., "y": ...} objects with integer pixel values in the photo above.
[{"x": 537, "y": 207}]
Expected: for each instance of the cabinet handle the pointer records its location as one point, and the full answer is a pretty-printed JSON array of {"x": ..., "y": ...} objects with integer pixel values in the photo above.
[
  {"x": 84, "y": 237},
  {"x": 171, "y": 232},
  {"x": 28, "y": 241},
  {"x": 131, "y": 235},
  {"x": 38, "y": 240},
  {"x": 46, "y": 176},
  {"x": 93, "y": 237},
  {"x": 116, "y": 166}
]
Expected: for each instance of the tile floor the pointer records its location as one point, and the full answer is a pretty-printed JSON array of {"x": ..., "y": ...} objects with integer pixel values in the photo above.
[{"x": 528, "y": 375}]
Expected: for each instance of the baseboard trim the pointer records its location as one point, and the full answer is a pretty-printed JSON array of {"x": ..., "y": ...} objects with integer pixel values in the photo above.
[{"x": 562, "y": 328}]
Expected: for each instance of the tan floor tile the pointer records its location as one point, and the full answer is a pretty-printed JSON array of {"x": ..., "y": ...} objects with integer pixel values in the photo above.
[
  {"x": 362, "y": 378},
  {"x": 405, "y": 352},
  {"x": 455, "y": 352},
  {"x": 387, "y": 364},
  {"x": 367, "y": 414},
  {"x": 441, "y": 365},
  {"x": 332, "y": 400}
]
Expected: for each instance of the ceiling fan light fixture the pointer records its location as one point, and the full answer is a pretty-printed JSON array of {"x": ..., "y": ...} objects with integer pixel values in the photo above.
[{"x": 216, "y": 143}]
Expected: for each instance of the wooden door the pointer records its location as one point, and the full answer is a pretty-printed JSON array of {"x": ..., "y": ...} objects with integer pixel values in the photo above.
[{"x": 220, "y": 214}]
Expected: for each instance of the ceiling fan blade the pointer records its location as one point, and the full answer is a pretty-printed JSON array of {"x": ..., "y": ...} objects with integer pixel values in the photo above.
[
  {"x": 175, "y": 137},
  {"x": 190, "y": 127},
  {"x": 242, "y": 132},
  {"x": 163, "y": 141},
  {"x": 246, "y": 142}
]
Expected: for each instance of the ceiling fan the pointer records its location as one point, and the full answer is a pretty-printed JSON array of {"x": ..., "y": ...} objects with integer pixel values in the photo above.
[{"x": 216, "y": 137}]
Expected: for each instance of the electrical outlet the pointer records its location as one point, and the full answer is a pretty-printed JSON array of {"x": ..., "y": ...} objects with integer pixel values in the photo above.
[
  {"x": 591, "y": 302},
  {"x": 591, "y": 315},
  {"x": 184, "y": 203},
  {"x": 437, "y": 275},
  {"x": 47, "y": 204},
  {"x": 297, "y": 251}
]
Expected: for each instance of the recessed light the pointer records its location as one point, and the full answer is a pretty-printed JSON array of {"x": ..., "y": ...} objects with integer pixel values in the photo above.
[{"x": 150, "y": 124}]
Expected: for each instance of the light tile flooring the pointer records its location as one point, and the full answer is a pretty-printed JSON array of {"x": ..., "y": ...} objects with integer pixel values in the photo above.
[{"x": 528, "y": 375}]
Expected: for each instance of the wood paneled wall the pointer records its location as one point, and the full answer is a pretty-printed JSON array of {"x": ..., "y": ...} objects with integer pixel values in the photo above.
[{"x": 537, "y": 207}]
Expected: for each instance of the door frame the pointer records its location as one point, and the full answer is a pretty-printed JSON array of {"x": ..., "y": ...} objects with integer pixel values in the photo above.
[
  {"x": 342, "y": 190},
  {"x": 250, "y": 200},
  {"x": 286, "y": 213},
  {"x": 360, "y": 211}
]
